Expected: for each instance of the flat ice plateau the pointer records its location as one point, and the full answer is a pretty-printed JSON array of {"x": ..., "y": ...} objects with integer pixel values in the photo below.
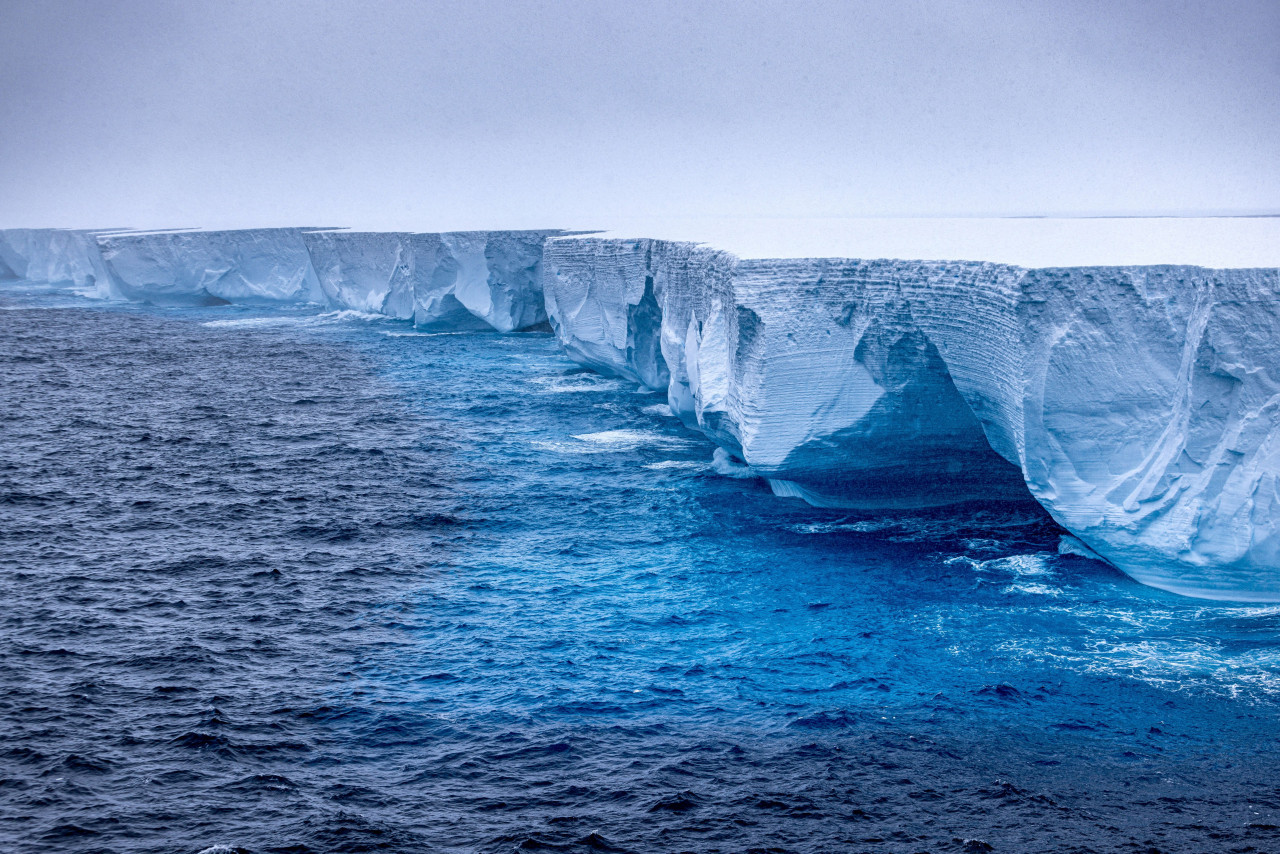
[{"x": 1138, "y": 402}]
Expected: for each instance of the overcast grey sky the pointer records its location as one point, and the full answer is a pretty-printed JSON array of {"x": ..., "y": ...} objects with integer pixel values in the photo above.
[{"x": 507, "y": 114}]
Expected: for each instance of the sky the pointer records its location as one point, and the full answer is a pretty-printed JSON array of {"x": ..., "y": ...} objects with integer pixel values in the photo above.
[{"x": 482, "y": 114}]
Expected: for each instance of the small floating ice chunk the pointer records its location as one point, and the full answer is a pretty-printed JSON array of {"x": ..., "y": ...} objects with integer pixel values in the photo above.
[{"x": 723, "y": 463}]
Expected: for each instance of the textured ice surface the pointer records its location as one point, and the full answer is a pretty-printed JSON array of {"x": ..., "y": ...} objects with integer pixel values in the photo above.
[
  {"x": 370, "y": 272},
  {"x": 250, "y": 265},
  {"x": 493, "y": 275},
  {"x": 452, "y": 281},
  {"x": 55, "y": 256},
  {"x": 1138, "y": 405},
  {"x": 811, "y": 371},
  {"x": 1141, "y": 404},
  {"x": 455, "y": 280}
]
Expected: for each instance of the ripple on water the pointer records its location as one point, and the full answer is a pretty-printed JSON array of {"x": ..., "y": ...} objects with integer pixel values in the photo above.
[{"x": 319, "y": 582}]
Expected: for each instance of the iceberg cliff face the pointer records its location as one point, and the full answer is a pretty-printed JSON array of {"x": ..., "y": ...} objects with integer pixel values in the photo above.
[
  {"x": 811, "y": 371},
  {"x": 495, "y": 276},
  {"x": 1141, "y": 404},
  {"x": 268, "y": 265},
  {"x": 369, "y": 272},
  {"x": 55, "y": 256},
  {"x": 457, "y": 280},
  {"x": 1137, "y": 405}
]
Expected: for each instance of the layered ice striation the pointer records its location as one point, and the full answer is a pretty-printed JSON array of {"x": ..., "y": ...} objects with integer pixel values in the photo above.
[
  {"x": 1142, "y": 405},
  {"x": 1137, "y": 405}
]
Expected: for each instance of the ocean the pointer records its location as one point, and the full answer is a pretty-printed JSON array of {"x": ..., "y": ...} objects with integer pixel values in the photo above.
[{"x": 304, "y": 581}]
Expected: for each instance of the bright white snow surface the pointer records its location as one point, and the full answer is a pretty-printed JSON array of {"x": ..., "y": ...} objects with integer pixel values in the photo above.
[
  {"x": 1027, "y": 242},
  {"x": 1138, "y": 404}
]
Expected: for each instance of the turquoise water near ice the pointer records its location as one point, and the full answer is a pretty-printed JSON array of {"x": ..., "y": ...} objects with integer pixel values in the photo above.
[{"x": 300, "y": 581}]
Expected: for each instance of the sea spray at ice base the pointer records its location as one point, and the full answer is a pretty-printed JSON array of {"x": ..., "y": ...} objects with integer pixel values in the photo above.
[
  {"x": 1136, "y": 403},
  {"x": 296, "y": 578}
]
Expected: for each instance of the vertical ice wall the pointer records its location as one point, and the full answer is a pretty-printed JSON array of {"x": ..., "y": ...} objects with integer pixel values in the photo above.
[
  {"x": 364, "y": 271},
  {"x": 496, "y": 277},
  {"x": 455, "y": 280},
  {"x": 811, "y": 371},
  {"x": 55, "y": 256},
  {"x": 268, "y": 265},
  {"x": 1138, "y": 405},
  {"x": 1141, "y": 403},
  {"x": 451, "y": 280}
]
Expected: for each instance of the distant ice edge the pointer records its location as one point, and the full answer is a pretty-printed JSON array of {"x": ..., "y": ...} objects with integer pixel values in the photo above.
[
  {"x": 452, "y": 280},
  {"x": 1138, "y": 405}
]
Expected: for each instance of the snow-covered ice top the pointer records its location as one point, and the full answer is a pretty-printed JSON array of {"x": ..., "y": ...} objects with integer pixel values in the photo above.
[{"x": 1028, "y": 242}]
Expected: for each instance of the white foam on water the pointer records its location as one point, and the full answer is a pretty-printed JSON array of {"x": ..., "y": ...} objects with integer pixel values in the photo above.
[
  {"x": 254, "y": 322},
  {"x": 353, "y": 314},
  {"x": 391, "y": 334},
  {"x": 658, "y": 409},
  {"x": 1023, "y": 566},
  {"x": 575, "y": 384},
  {"x": 1033, "y": 589},
  {"x": 628, "y": 440},
  {"x": 613, "y": 441},
  {"x": 1069, "y": 545}
]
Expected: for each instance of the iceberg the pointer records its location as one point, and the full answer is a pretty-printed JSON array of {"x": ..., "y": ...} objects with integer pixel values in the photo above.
[
  {"x": 812, "y": 372},
  {"x": 362, "y": 271},
  {"x": 1138, "y": 405},
  {"x": 454, "y": 280}
]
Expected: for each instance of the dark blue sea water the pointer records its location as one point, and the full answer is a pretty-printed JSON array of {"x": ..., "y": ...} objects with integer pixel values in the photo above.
[{"x": 299, "y": 582}]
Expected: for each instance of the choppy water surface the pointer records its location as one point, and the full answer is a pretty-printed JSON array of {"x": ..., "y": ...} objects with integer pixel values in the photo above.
[{"x": 295, "y": 582}]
